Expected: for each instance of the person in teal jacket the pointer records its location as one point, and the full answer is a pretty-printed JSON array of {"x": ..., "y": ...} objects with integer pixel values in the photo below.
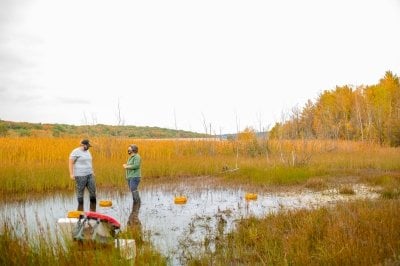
[{"x": 133, "y": 172}]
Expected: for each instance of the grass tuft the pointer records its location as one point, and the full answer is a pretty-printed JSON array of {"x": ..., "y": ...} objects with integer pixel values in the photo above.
[
  {"x": 346, "y": 190},
  {"x": 316, "y": 184}
]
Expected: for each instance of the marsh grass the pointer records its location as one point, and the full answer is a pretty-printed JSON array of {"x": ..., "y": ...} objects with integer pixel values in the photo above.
[
  {"x": 316, "y": 184},
  {"x": 389, "y": 184},
  {"x": 391, "y": 193},
  {"x": 361, "y": 233},
  {"x": 40, "y": 165},
  {"x": 276, "y": 175},
  {"x": 357, "y": 233},
  {"x": 346, "y": 190}
]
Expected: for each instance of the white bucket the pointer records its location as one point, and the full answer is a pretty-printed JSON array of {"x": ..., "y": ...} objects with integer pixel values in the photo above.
[
  {"x": 127, "y": 248},
  {"x": 67, "y": 226}
]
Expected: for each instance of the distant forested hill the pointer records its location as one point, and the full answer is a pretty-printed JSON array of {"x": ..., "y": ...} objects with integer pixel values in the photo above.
[{"x": 21, "y": 129}]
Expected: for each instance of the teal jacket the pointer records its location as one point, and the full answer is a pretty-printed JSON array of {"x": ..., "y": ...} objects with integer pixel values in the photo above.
[{"x": 133, "y": 168}]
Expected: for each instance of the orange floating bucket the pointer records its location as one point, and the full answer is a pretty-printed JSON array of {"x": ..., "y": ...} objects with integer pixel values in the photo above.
[
  {"x": 105, "y": 203},
  {"x": 180, "y": 200},
  {"x": 74, "y": 214},
  {"x": 250, "y": 196}
]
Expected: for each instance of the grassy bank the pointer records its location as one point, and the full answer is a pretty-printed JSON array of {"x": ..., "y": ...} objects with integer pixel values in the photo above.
[
  {"x": 41, "y": 164},
  {"x": 358, "y": 233}
]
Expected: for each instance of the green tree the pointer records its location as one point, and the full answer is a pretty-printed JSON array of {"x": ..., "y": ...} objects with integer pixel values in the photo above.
[{"x": 3, "y": 129}]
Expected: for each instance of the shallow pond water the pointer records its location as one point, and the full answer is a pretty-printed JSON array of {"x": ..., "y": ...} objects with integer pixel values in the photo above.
[{"x": 177, "y": 231}]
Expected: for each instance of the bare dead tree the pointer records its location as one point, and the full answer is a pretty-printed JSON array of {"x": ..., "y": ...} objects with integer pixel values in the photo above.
[
  {"x": 265, "y": 141},
  {"x": 176, "y": 125},
  {"x": 120, "y": 120},
  {"x": 204, "y": 123},
  {"x": 94, "y": 119},
  {"x": 295, "y": 118},
  {"x": 86, "y": 123},
  {"x": 259, "y": 122},
  {"x": 280, "y": 135},
  {"x": 358, "y": 113},
  {"x": 237, "y": 140}
]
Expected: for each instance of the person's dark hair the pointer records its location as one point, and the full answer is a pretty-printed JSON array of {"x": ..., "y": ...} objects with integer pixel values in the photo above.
[
  {"x": 134, "y": 148},
  {"x": 86, "y": 142}
]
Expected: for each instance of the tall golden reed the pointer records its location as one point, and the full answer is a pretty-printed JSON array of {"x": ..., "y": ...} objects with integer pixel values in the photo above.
[{"x": 41, "y": 164}]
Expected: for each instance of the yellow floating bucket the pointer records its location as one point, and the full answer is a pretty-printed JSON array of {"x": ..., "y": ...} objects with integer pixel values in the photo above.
[
  {"x": 74, "y": 214},
  {"x": 250, "y": 196},
  {"x": 180, "y": 200},
  {"x": 105, "y": 203}
]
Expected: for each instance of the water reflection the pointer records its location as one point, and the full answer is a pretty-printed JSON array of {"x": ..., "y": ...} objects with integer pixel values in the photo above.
[
  {"x": 208, "y": 213},
  {"x": 133, "y": 219},
  {"x": 134, "y": 225}
]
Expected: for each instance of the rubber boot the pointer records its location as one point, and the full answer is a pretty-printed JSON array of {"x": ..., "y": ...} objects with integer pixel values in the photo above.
[
  {"x": 80, "y": 204},
  {"x": 92, "y": 204}
]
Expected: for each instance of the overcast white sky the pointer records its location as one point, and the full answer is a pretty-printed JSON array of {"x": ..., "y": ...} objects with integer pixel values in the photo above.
[{"x": 181, "y": 63}]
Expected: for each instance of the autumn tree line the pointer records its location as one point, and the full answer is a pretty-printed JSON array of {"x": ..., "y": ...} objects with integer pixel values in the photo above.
[{"x": 363, "y": 113}]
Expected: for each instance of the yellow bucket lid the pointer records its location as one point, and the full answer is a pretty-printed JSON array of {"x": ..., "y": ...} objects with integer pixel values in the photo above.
[
  {"x": 74, "y": 214},
  {"x": 105, "y": 203},
  {"x": 250, "y": 196},
  {"x": 180, "y": 200}
]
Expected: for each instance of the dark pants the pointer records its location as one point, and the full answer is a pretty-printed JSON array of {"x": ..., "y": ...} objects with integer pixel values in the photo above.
[
  {"x": 82, "y": 182},
  {"x": 133, "y": 184}
]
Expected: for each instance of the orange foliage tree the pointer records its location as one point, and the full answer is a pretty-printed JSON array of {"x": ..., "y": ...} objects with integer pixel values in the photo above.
[{"x": 362, "y": 113}]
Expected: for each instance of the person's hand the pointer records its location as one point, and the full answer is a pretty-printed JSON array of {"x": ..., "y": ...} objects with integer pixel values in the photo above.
[
  {"x": 72, "y": 177},
  {"x": 124, "y": 165}
]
